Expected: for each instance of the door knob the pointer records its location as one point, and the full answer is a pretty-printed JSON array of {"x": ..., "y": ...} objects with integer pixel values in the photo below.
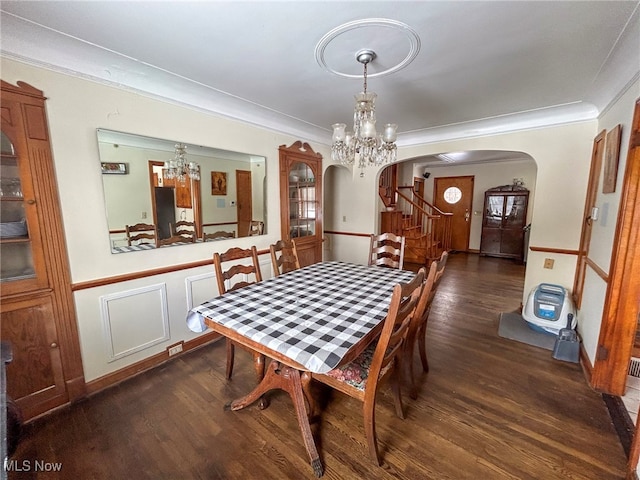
[{"x": 54, "y": 345}]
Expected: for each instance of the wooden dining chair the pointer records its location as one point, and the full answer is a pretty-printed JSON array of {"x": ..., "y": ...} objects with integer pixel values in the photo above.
[
  {"x": 361, "y": 378},
  {"x": 284, "y": 257},
  {"x": 256, "y": 227},
  {"x": 174, "y": 240},
  {"x": 387, "y": 250},
  {"x": 223, "y": 277},
  {"x": 219, "y": 235},
  {"x": 418, "y": 329},
  {"x": 141, "y": 233},
  {"x": 184, "y": 229}
]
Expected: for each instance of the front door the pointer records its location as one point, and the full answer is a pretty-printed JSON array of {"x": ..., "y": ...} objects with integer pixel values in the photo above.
[{"x": 455, "y": 195}]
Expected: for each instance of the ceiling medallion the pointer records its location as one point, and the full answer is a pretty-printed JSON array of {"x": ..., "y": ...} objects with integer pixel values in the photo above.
[{"x": 380, "y": 28}]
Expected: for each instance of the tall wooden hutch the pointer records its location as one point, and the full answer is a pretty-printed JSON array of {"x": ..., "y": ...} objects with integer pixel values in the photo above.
[
  {"x": 503, "y": 221},
  {"x": 37, "y": 310},
  {"x": 301, "y": 200}
]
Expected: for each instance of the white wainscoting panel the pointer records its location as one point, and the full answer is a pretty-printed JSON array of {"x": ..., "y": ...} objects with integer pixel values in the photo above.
[
  {"x": 200, "y": 288},
  {"x": 134, "y": 320}
]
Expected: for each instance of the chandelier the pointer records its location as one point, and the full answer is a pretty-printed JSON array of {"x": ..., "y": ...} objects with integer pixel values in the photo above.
[
  {"x": 179, "y": 168},
  {"x": 370, "y": 147}
]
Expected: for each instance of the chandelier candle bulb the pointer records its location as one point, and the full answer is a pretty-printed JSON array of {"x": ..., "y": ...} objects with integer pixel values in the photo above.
[
  {"x": 369, "y": 129},
  {"x": 339, "y": 134},
  {"x": 390, "y": 133}
]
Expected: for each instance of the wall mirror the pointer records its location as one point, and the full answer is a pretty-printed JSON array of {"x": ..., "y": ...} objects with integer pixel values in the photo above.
[{"x": 220, "y": 196}]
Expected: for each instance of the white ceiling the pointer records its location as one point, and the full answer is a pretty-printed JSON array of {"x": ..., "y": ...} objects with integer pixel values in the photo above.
[{"x": 481, "y": 67}]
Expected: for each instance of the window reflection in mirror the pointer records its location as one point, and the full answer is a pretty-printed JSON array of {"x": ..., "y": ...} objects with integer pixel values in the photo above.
[{"x": 227, "y": 197}]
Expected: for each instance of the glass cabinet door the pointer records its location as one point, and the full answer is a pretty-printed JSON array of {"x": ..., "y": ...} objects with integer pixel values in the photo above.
[
  {"x": 16, "y": 249},
  {"x": 302, "y": 200},
  {"x": 494, "y": 206},
  {"x": 516, "y": 212}
]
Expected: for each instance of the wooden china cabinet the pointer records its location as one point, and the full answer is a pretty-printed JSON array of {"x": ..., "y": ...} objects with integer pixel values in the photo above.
[
  {"x": 36, "y": 304},
  {"x": 301, "y": 200},
  {"x": 503, "y": 222}
]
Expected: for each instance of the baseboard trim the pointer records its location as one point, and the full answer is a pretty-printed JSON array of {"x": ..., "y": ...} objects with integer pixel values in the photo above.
[
  {"x": 153, "y": 361},
  {"x": 621, "y": 421}
]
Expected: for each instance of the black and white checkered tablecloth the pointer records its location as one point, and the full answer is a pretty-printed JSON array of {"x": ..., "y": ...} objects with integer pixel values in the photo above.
[{"x": 313, "y": 315}]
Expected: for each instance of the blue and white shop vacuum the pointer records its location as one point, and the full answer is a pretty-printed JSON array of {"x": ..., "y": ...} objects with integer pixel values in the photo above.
[{"x": 547, "y": 309}]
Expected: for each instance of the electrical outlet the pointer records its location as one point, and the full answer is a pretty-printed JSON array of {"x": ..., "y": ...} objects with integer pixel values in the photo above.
[
  {"x": 175, "y": 349},
  {"x": 548, "y": 263},
  {"x": 344, "y": 218},
  {"x": 144, "y": 215}
]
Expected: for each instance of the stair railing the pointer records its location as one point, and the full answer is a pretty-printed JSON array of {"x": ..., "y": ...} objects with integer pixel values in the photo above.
[{"x": 423, "y": 220}]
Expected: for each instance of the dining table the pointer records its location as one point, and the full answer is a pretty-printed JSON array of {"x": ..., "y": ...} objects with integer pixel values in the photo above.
[{"x": 310, "y": 320}]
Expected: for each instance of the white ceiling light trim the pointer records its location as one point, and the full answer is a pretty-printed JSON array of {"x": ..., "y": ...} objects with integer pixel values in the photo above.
[{"x": 370, "y": 24}]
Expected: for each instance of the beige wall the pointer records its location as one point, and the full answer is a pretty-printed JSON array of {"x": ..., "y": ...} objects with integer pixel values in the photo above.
[
  {"x": 485, "y": 176},
  {"x": 108, "y": 318},
  {"x": 562, "y": 156},
  {"x": 77, "y": 107}
]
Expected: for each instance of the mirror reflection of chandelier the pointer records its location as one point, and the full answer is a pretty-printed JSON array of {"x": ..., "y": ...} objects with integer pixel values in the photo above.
[
  {"x": 364, "y": 142},
  {"x": 179, "y": 168}
]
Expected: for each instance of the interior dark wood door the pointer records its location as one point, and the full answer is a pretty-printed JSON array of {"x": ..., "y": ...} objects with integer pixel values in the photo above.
[
  {"x": 455, "y": 195},
  {"x": 245, "y": 202},
  {"x": 164, "y": 210}
]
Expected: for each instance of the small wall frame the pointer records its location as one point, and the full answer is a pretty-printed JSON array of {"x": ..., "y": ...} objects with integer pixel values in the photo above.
[
  {"x": 109, "y": 168},
  {"x": 218, "y": 183}
]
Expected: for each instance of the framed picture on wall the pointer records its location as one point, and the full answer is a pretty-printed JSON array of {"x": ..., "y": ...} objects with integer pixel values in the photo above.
[
  {"x": 218, "y": 183},
  {"x": 611, "y": 157},
  {"x": 109, "y": 168}
]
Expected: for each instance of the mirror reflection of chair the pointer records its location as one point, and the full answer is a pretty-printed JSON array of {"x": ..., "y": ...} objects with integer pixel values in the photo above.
[
  {"x": 219, "y": 235},
  {"x": 176, "y": 239},
  {"x": 418, "y": 330},
  {"x": 184, "y": 229},
  {"x": 245, "y": 270},
  {"x": 256, "y": 227},
  {"x": 141, "y": 233},
  {"x": 387, "y": 250},
  {"x": 381, "y": 360},
  {"x": 284, "y": 257}
]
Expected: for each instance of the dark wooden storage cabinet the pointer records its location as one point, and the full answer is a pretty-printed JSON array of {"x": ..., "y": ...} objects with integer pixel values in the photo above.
[
  {"x": 37, "y": 310},
  {"x": 503, "y": 221},
  {"x": 301, "y": 200}
]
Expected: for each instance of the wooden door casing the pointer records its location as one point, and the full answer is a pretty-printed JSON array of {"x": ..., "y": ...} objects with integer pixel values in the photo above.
[
  {"x": 622, "y": 299},
  {"x": 590, "y": 201},
  {"x": 461, "y": 210}
]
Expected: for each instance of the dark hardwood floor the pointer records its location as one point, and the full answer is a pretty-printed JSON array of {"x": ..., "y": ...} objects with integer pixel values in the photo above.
[{"x": 489, "y": 408}]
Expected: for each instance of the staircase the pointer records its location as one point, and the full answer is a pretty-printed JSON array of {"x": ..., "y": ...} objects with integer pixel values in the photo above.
[{"x": 427, "y": 230}]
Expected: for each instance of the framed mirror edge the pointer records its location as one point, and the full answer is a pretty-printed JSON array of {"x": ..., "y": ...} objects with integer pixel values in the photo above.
[{"x": 160, "y": 182}]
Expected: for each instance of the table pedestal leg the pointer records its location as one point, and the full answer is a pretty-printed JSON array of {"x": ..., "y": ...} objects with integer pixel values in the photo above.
[{"x": 287, "y": 379}]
